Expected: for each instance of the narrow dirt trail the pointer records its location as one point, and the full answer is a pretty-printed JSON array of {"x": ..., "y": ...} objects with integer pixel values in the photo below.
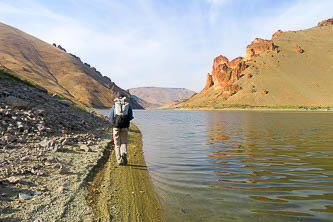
[{"x": 125, "y": 193}]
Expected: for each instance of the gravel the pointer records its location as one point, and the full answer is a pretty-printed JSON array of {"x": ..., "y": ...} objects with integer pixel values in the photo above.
[{"x": 47, "y": 149}]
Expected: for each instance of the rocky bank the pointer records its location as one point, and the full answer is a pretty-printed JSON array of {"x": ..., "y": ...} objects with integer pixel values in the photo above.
[{"x": 48, "y": 147}]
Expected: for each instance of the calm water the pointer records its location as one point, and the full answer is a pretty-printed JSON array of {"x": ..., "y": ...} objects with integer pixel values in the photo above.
[{"x": 240, "y": 166}]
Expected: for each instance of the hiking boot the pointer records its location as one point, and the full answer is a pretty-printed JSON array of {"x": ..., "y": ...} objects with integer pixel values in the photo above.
[{"x": 124, "y": 157}]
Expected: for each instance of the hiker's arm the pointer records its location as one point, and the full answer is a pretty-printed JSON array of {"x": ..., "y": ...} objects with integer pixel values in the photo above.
[
  {"x": 130, "y": 113},
  {"x": 112, "y": 114}
]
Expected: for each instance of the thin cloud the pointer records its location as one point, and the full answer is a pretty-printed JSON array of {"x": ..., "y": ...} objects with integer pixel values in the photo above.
[
  {"x": 215, "y": 9},
  {"x": 159, "y": 43}
]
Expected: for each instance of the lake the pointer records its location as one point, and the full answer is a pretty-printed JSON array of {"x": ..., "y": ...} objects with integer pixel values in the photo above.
[{"x": 240, "y": 166}]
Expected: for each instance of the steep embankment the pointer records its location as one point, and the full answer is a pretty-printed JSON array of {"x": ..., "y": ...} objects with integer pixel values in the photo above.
[
  {"x": 56, "y": 70},
  {"x": 158, "y": 96},
  {"x": 293, "y": 69},
  {"x": 47, "y": 150}
]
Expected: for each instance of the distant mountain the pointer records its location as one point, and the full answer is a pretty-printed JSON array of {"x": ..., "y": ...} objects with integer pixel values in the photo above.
[
  {"x": 142, "y": 102},
  {"x": 157, "y": 96},
  {"x": 51, "y": 67},
  {"x": 294, "y": 68}
]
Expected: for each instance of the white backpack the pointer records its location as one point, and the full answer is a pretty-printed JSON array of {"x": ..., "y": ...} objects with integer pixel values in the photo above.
[
  {"x": 121, "y": 107},
  {"x": 121, "y": 119}
]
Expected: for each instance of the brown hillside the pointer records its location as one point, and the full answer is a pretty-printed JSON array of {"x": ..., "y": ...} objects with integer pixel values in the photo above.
[
  {"x": 293, "y": 69},
  {"x": 52, "y": 68},
  {"x": 143, "y": 103},
  {"x": 158, "y": 96}
]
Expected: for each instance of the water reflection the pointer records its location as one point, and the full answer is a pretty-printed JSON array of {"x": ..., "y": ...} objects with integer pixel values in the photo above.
[
  {"x": 240, "y": 166},
  {"x": 284, "y": 159}
]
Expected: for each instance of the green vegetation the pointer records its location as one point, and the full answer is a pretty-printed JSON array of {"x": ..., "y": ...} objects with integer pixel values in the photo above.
[
  {"x": 215, "y": 106},
  {"x": 12, "y": 76},
  {"x": 59, "y": 96},
  {"x": 16, "y": 78},
  {"x": 82, "y": 108}
]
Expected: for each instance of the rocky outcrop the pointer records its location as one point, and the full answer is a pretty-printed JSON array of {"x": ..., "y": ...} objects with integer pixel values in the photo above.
[
  {"x": 277, "y": 34},
  {"x": 220, "y": 73},
  {"x": 16, "y": 102},
  {"x": 61, "y": 48},
  {"x": 325, "y": 22},
  {"x": 234, "y": 64},
  {"x": 209, "y": 81},
  {"x": 258, "y": 46},
  {"x": 230, "y": 89},
  {"x": 264, "y": 91},
  {"x": 299, "y": 50},
  {"x": 225, "y": 74}
]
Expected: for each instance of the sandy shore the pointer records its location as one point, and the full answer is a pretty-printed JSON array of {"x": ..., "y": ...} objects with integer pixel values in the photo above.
[{"x": 125, "y": 193}]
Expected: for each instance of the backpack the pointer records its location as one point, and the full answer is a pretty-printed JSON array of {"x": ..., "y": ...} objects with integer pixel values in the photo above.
[{"x": 120, "y": 118}]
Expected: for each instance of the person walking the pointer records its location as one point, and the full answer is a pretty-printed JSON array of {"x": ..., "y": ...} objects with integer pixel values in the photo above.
[{"x": 121, "y": 115}]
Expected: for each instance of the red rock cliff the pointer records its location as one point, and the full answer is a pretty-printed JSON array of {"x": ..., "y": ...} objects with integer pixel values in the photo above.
[
  {"x": 258, "y": 46},
  {"x": 225, "y": 74},
  {"x": 325, "y": 22},
  {"x": 235, "y": 62},
  {"x": 209, "y": 81},
  {"x": 277, "y": 34}
]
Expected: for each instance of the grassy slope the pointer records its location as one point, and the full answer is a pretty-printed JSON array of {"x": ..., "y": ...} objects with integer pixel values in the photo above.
[
  {"x": 7, "y": 74},
  {"x": 57, "y": 71},
  {"x": 292, "y": 79}
]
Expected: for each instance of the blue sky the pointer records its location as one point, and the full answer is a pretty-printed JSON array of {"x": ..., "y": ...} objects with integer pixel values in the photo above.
[{"x": 166, "y": 43}]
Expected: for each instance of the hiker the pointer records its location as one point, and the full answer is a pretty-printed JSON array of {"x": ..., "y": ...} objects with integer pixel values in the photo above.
[{"x": 121, "y": 115}]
